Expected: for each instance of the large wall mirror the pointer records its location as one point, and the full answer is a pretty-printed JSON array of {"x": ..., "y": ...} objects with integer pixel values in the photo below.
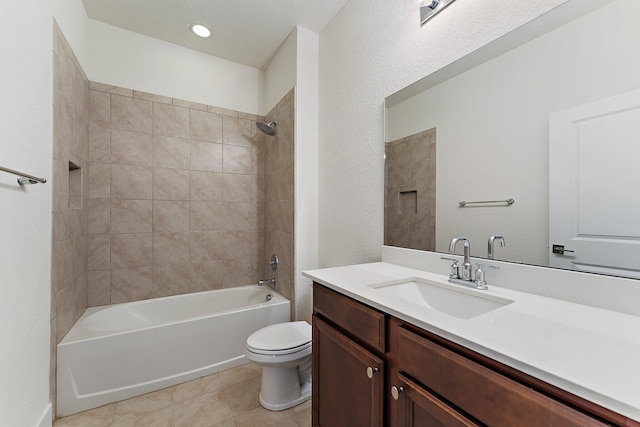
[{"x": 486, "y": 121}]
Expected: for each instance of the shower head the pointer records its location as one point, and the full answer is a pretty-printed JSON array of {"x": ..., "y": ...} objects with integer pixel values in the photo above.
[{"x": 267, "y": 128}]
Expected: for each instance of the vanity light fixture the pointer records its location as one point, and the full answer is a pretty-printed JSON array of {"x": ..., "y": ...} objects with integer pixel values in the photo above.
[
  {"x": 429, "y": 8},
  {"x": 200, "y": 30}
]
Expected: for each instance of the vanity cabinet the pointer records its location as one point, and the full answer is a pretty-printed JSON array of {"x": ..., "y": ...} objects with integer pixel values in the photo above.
[
  {"x": 350, "y": 390},
  {"x": 348, "y": 366},
  {"x": 372, "y": 369},
  {"x": 463, "y": 386}
]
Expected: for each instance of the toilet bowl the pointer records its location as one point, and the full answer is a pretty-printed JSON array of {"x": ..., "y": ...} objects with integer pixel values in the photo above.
[{"x": 284, "y": 352}]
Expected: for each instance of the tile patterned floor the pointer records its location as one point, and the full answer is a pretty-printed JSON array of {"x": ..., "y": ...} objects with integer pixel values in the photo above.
[{"x": 226, "y": 399}]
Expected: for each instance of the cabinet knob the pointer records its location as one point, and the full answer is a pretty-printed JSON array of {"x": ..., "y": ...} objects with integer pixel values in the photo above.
[
  {"x": 371, "y": 371},
  {"x": 395, "y": 392}
]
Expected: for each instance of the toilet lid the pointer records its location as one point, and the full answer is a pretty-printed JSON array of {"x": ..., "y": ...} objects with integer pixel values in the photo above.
[{"x": 281, "y": 336}]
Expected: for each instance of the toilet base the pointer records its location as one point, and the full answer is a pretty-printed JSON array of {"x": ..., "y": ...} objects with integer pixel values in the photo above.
[
  {"x": 281, "y": 388},
  {"x": 305, "y": 394}
]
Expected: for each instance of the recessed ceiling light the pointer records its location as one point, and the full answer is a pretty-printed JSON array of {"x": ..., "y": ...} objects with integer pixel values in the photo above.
[{"x": 200, "y": 30}]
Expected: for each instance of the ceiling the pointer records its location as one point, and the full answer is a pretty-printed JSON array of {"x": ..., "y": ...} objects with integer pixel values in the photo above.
[{"x": 248, "y": 32}]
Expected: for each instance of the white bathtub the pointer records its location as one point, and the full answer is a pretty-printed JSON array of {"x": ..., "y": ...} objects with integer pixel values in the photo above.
[{"x": 119, "y": 351}]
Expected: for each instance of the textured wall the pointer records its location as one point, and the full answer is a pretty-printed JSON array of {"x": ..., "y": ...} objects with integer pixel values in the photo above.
[{"x": 387, "y": 50}]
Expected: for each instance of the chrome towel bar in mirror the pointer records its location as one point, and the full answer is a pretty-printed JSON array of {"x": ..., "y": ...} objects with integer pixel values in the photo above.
[{"x": 509, "y": 202}]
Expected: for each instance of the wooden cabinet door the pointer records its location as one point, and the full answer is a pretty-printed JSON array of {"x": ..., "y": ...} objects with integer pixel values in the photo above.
[
  {"x": 344, "y": 395},
  {"x": 486, "y": 395},
  {"x": 419, "y": 408}
]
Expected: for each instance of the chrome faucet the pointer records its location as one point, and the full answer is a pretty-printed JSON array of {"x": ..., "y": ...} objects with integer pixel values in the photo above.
[
  {"x": 492, "y": 239},
  {"x": 466, "y": 264},
  {"x": 271, "y": 282},
  {"x": 272, "y": 262},
  {"x": 465, "y": 275}
]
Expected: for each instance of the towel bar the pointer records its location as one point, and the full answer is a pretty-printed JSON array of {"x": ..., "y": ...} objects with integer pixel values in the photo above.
[
  {"x": 508, "y": 202},
  {"x": 24, "y": 178}
]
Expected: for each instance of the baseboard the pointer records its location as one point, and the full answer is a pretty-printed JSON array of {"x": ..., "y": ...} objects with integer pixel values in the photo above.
[{"x": 46, "y": 418}]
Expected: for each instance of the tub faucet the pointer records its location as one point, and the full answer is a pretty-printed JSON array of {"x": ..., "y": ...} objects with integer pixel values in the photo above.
[
  {"x": 466, "y": 265},
  {"x": 271, "y": 282},
  {"x": 492, "y": 239}
]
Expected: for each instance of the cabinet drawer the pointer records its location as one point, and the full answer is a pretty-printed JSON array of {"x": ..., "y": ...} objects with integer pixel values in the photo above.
[
  {"x": 356, "y": 318},
  {"x": 484, "y": 394}
]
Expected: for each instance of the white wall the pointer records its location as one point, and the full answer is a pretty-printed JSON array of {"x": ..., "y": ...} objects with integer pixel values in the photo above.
[
  {"x": 25, "y": 213},
  {"x": 158, "y": 67},
  {"x": 72, "y": 20},
  {"x": 306, "y": 167},
  {"x": 280, "y": 75},
  {"x": 492, "y": 126},
  {"x": 296, "y": 63},
  {"x": 367, "y": 52},
  {"x": 166, "y": 69}
]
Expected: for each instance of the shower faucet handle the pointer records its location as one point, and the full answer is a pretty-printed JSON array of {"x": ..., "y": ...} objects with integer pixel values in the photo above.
[{"x": 273, "y": 262}]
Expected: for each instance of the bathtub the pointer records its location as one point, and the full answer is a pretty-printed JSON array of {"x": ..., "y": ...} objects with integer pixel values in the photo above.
[{"x": 120, "y": 351}]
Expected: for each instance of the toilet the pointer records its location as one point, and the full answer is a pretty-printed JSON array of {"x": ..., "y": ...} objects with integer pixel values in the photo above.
[{"x": 284, "y": 352}]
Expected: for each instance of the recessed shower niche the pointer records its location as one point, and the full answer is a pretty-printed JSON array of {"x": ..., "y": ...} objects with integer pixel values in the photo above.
[
  {"x": 408, "y": 202},
  {"x": 410, "y": 189},
  {"x": 75, "y": 186}
]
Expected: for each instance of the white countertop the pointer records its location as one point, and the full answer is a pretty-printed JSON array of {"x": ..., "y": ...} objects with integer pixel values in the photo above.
[{"x": 591, "y": 352}]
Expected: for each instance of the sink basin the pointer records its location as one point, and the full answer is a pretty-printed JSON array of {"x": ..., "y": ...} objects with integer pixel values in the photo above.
[{"x": 449, "y": 299}]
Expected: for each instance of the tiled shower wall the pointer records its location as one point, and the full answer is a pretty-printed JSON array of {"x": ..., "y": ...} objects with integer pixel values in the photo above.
[
  {"x": 69, "y": 202},
  {"x": 410, "y": 192},
  {"x": 279, "y": 190},
  {"x": 176, "y": 197},
  {"x": 156, "y": 196}
]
